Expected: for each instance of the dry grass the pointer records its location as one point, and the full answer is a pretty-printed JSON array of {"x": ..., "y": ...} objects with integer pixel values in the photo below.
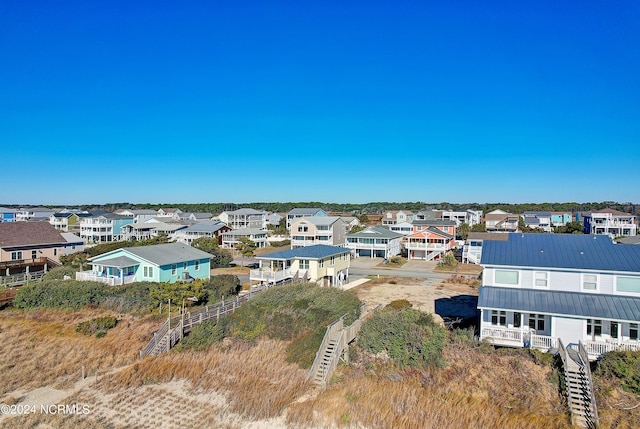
[
  {"x": 475, "y": 391},
  {"x": 41, "y": 347}
]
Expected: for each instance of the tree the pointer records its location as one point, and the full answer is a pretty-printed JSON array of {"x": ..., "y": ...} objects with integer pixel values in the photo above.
[
  {"x": 479, "y": 227},
  {"x": 569, "y": 228},
  {"x": 221, "y": 258},
  {"x": 463, "y": 230},
  {"x": 246, "y": 247}
]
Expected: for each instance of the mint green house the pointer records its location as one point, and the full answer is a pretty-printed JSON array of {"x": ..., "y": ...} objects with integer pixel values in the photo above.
[{"x": 165, "y": 263}]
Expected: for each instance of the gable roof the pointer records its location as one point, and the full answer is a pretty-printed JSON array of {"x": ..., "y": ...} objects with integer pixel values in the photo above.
[
  {"x": 434, "y": 222},
  {"x": 206, "y": 227},
  {"x": 161, "y": 254},
  {"x": 319, "y": 220},
  {"x": 13, "y": 234},
  {"x": 317, "y": 251},
  {"x": 572, "y": 251},
  {"x": 431, "y": 230},
  {"x": 245, "y": 211},
  {"x": 488, "y": 236},
  {"x": 305, "y": 211},
  {"x": 376, "y": 231}
]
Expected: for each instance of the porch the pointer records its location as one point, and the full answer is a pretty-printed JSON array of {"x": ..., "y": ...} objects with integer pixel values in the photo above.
[
  {"x": 111, "y": 280},
  {"x": 269, "y": 276}
]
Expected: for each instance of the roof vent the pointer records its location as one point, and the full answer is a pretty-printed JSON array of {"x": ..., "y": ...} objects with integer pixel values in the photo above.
[
  {"x": 581, "y": 252},
  {"x": 541, "y": 250}
]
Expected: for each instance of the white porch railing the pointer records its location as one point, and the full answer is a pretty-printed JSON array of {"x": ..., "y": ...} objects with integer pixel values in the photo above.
[
  {"x": 502, "y": 336},
  {"x": 597, "y": 348},
  {"x": 428, "y": 246},
  {"x": 110, "y": 280},
  {"x": 269, "y": 276},
  {"x": 543, "y": 342}
]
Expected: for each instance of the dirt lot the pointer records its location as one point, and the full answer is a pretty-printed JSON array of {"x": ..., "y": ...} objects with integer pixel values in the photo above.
[{"x": 455, "y": 298}]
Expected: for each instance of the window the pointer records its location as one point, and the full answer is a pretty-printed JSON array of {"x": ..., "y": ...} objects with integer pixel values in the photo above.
[
  {"x": 304, "y": 264},
  {"x": 633, "y": 331},
  {"x": 517, "y": 320},
  {"x": 174, "y": 269},
  {"x": 148, "y": 272},
  {"x": 16, "y": 255},
  {"x": 303, "y": 228},
  {"x": 332, "y": 262},
  {"x": 34, "y": 254},
  {"x": 536, "y": 321},
  {"x": 184, "y": 266},
  {"x": 321, "y": 263},
  {"x": 589, "y": 282},
  {"x": 628, "y": 284},
  {"x": 197, "y": 266},
  {"x": 55, "y": 252},
  {"x": 499, "y": 318},
  {"x": 594, "y": 327},
  {"x": 506, "y": 277},
  {"x": 614, "y": 329},
  {"x": 540, "y": 279}
]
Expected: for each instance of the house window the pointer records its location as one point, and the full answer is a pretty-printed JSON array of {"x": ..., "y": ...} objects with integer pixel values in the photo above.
[
  {"x": 614, "y": 329},
  {"x": 321, "y": 263},
  {"x": 589, "y": 282},
  {"x": 633, "y": 331},
  {"x": 34, "y": 254},
  {"x": 303, "y": 228},
  {"x": 499, "y": 318},
  {"x": 517, "y": 320},
  {"x": 628, "y": 284},
  {"x": 197, "y": 265},
  {"x": 148, "y": 272},
  {"x": 174, "y": 269},
  {"x": 332, "y": 262},
  {"x": 536, "y": 321},
  {"x": 304, "y": 264},
  {"x": 16, "y": 255},
  {"x": 506, "y": 277},
  {"x": 541, "y": 279},
  {"x": 184, "y": 266},
  {"x": 594, "y": 327}
]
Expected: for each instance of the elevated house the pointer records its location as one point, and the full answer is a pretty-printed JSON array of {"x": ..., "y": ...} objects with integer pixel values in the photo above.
[
  {"x": 610, "y": 222},
  {"x": 404, "y": 228},
  {"x": 8, "y": 215},
  {"x": 501, "y": 221},
  {"x": 472, "y": 250},
  {"x": 259, "y": 237},
  {"x": 375, "y": 242},
  {"x": 65, "y": 221},
  {"x": 166, "y": 263},
  {"x": 328, "y": 230},
  {"x": 321, "y": 264},
  {"x": 244, "y": 218},
  {"x": 538, "y": 288},
  {"x": 538, "y": 219},
  {"x": 297, "y": 213},
  {"x": 393, "y": 217},
  {"x": 470, "y": 217},
  {"x": 206, "y": 229},
  {"x": 29, "y": 247},
  {"x": 561, "y": 218},
  {"x": 150, "y": 229},
  {"x": 431, "y": 239},
  {"x": 103, "y": 228},
  {"x": 138, "y": 215},
  {"x": 34, "y": 214}
]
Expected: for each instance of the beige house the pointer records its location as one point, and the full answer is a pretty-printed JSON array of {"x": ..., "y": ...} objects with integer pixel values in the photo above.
[
  {"x": 321, "y": 264},
  {"x": 327, "y": 230},
  {"x": 29, "y": 247}
]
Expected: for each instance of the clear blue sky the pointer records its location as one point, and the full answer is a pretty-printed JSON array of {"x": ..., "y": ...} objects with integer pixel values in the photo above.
[{"x": 334, "y": 101}]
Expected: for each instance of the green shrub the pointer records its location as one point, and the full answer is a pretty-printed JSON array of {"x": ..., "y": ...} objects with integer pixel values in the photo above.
[
  {"x": 98, "y": 326},
  {"x": 622, "y": 366},
  {"x": 399, "y": 304},
  {"x": 410, "y": 337},
  {"x": 203, "y": 336},
  {"x": 225, "y": 285},
  {"x": 294, "y": 312},
  {"x": 55, "y": 293},
  {"x": 59, "y": 273}
]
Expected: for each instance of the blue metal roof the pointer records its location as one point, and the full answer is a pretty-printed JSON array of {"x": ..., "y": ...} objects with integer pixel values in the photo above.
[
  {"x": 318, "y": 251},
  {"x": 583, "y": 305},
  {"x": 573, "y": 251}
]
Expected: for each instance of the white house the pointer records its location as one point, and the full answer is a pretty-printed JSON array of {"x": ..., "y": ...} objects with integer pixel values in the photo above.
[
  {"x": 539, "y": 288},
  {"x": 610, "y": 222},
  {"x": 393, "y": 217},
  {"x": 472, "y": 250},
  {"x": 257, "y": 236},
  {"x": 244, "y": 218},
  {"x": 210, "y": 229},
  {"x": 375, "y": 242},
  {"x": 328, "y": 230},
  {"x": 297, "y": 213}
]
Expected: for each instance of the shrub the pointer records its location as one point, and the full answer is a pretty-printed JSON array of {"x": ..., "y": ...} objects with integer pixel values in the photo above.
[
  {"x": 67, "y": 294},
  {"x": 622, "y": 366},
  {"x": 98, "y": 326},
  {"x": 224, "y": 285},
  {"x": 410, "y": 337},
  {"x": 59, "y": 273},
  {"x": 399, "y": 304},
  {"x": 205, "y": 335}
]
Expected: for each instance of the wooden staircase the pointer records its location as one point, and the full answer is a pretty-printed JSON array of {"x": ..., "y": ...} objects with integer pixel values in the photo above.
[
  {"x": 578, "y": 385},
  {"x": 335, "y": 345}
]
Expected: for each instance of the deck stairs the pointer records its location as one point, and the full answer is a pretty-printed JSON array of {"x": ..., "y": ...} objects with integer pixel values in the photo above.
[{"x": 578, "y": 385}]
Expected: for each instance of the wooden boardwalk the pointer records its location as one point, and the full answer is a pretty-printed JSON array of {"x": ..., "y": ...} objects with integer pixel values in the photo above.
[{"x": 579, "y": 387}]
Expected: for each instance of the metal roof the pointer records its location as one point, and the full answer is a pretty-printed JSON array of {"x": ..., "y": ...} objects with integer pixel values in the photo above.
[
  {"x": 302, "y": 211},
  {"x": 572, "y": 251},
  {"x": 376, "y": 231},
  {"x": 319, "y": 220},
  {"x": 583, "y": 305},
  {"x": 318, "y": 251},
  {"x": 434, "y": 222},
  {"x": 205, "y": 227}
]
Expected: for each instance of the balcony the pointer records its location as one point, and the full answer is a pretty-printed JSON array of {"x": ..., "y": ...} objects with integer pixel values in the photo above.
[
  {"x": 597, "y": 348},
  {"x": 265, "y": 275},
  {"x": 92, "y": 276},
  {"x": 412, "y": 245}
]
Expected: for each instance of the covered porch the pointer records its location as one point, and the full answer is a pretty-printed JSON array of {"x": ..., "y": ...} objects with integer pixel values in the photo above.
[{"x": 113, "y": 271}]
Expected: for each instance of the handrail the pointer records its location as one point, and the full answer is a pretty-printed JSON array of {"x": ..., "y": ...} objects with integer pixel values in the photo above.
[{"x": 587, "y": 370}]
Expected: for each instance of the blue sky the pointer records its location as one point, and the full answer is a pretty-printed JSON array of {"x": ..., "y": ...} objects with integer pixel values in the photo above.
[{"x": 227, "y": 101}]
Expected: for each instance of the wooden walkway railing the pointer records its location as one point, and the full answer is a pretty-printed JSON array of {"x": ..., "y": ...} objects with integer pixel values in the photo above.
[
  {"x": 334, "y": 345},
  {"x": 579, "y": 386},
  {"x": 175, "y": 327},
  {"x": 21, "y": 279}
]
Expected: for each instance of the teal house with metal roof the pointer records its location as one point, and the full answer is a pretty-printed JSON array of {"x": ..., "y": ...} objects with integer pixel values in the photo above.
[
  {"x": 541, "y": 290},
  {"x": 164, "y": 263}
]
